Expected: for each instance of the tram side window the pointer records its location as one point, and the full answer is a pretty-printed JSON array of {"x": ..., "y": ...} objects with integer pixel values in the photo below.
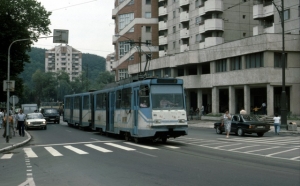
[
  {"x": 144, "y": 96},
  {"x": 77, "y": 102},
  {"x": 100, "y": 102},
  {"x": 118, "y": 98},
  {"x": 67, "y": 103},
  {"x": 126, "y": 98},
  {"x": 86, "y": 103}
]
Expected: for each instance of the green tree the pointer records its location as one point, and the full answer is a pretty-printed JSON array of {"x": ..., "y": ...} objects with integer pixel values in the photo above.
[{"x": 19, "y": 20}]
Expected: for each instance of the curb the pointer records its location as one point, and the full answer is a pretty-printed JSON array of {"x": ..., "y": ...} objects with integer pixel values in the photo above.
[{"x": 13, "y": 146}]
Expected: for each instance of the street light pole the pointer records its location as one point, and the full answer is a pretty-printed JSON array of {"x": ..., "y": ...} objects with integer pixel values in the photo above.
[{"x": 283, "y": 93}]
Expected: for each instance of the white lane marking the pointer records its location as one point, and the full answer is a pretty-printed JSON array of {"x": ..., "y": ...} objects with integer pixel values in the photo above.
[
  {"x": 97, "y": 148},
  {"x": 171, "y": 147},
  {"x": 75, "y": 143},
  {"x": 52, "y": 151},
  {"x": 142, "y": 146},
  {"x": 29, "y": 166},
  {"x": 30, "y": 153},
  {"x": 7, "y": 156},
  {"x": 119, "y": 146},
  {"x": 29, "y": 182},
  {"x": 226, "y": 145},
  {"x": 295, "y": 158},
  {"x": 281, "y": 152},
  {"x": 261, "y": 149},
  {"x": 243, "y": 147},
  {"x": 74, "y": 149},
  {"x": 147, "y": 154},
  {"x": 29, "y": 170}
]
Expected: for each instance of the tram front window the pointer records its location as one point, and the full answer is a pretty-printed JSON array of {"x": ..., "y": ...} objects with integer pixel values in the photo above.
[{"x": 163, "y": 99}]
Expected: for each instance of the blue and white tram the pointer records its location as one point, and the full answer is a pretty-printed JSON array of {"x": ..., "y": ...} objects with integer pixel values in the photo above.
[
  {"x": 77, "y": 109},
  {"x": 146, "y": 109}
]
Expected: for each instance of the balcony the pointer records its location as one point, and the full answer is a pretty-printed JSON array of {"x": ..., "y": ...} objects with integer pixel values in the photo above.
[
  {"x": 211, "y": 41},
  {"x": 213, "y": 24},
  {"x": 184, "y": 2},
  {"x": 184, "y": 33},
  {"x": 114, "y": 39},
  {"x": 213, "y": 5},
  {"x": 162, "y": 40},
  {"x": 162, "y": 53},
  {"x": 260, "y": 11},
  {"x": 269, "y": 29},
  {"x": 258, "y": 30},
  {"x": 184, "y": 16},
  {"x": 201, "y": 11},
  {"x": 162, "y": 25},
  {"x": 184, "y": 48},
  {"x": 162, "y": 11}
]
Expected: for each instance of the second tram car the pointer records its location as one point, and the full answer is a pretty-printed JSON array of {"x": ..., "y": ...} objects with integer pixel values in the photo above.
[{"x": 146, "y": 109}]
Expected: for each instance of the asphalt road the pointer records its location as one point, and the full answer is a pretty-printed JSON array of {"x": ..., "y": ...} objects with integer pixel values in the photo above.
[{"x": 62, "y": 155}]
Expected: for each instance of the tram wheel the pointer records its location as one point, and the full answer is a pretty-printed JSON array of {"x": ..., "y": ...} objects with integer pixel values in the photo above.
[
  {"x": 136, "y": 140},
  {"x": 164, "y": 140},
  {"x": 127, "y": 136}
]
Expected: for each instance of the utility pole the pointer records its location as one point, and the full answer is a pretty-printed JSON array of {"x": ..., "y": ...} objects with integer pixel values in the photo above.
[{"x": 283, "y": 93}]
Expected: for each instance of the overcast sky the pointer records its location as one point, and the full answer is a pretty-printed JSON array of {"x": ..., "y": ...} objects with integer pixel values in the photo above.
[{"x": 89, "y": 22}]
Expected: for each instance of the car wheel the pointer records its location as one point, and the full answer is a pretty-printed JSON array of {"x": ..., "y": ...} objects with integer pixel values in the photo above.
[
  {"x": 260, "y": 134},
  {"x": 240, "y": 132},
  {"x": 218, "y": 131},
  {"x": 45, "y": 128},
  {"x": 164, "y": 140}
]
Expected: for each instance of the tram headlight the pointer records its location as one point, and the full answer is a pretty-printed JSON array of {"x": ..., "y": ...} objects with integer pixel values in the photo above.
[
  {"x": 157, "y": 121},
  {"x": 181, "y": 120}
]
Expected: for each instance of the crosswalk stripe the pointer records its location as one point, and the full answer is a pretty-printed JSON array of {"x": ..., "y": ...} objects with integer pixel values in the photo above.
[
  {"x": 281, "y": 152},
  {"x": 142, "y": 146},
  {"x": 243, "y": 147},
  {"x": 227, "y": 145},
  {"x": 298, "y": 157},
  {"x": 262, "y": 149},
  {"x": 119, "y": 146},
  {"x": 97, "y": 148},
  {"x": 74, "y": 149},
  {"x": 53, "y": 152},
  {"x": 7, "y": 156},
  {"x": 30, "y": 153}
]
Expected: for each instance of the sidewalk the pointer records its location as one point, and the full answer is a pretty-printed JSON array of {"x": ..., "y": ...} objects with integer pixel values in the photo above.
[
  {"x": 14, "y": 142},
  {"x": 210, "y": 124}
]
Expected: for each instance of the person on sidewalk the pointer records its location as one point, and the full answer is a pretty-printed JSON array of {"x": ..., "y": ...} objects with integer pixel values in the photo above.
[
  {"x": 227, "y": 123},
  {"x": 1, "y": 118},
  {"x": 264, "y": 108},
  {"x": 10, "y": 128},
  {"x": 21, "y": 118},
  {"x": 243, "y": 111},
  {"x": 276, "y": 124}
]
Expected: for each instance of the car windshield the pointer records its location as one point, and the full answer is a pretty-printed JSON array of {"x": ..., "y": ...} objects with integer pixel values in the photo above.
[
  {"x": 166, "y": 97},
  {"x": 250, "y": 118},
  {"x": 51, "y": 111},
  {"x": 35, "y": 116}
]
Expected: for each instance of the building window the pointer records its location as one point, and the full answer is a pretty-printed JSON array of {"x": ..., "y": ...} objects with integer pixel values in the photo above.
[
  {"x": 221, "y": 65},
  {"x": 235, "y": 63},
  {"x": 174, "y": 14},
  {"x": 147, "y": 14},
  {"x": 286, "y": 14},
  {"x": 148, "y": 2},
  {"x": 174, "y": 45},
  {"x": 277, "y": 60},
  {"x": 123, "y": 73},
  {"x": 174, "y": 29},
  {"x": 148, "y": 42},
  {"x": 125, "y": 19},
  {"x": 148, "y": 28},
  {"x": 255, "y": 60},
  {"x": 124, "y": 47}
]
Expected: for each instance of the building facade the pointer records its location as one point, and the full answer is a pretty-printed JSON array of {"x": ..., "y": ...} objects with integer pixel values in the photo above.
[
  {"x": 226, "y": 55},
  {"x": 136, "y": 34},
  {"x": 64, "y": 58}
]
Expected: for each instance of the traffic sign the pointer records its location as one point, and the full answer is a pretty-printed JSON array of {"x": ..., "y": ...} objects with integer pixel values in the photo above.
[
  {"x": 61, "y": 36},
  {"x": 14, "y": 99}
]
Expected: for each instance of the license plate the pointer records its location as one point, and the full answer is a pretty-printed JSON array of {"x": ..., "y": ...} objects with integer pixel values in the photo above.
[{"x": 260, "y": 127}]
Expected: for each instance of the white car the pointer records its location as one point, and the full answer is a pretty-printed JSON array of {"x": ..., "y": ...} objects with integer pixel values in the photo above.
[{"x": 35, "y": 120}]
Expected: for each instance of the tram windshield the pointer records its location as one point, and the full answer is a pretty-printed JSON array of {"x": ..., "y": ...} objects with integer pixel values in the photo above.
[{"x": 167, "y": 97}]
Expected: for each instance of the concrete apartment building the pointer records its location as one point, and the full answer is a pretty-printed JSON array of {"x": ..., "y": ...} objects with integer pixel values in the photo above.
[
  {"x": 135, "y": 25},
  {"x": 228, "y": 52},
  {"x": 64, "y": 58},
  {"x": 110, "y": 62}
]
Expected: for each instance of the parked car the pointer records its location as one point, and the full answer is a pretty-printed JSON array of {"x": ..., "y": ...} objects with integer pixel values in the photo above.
[
  {"x": 244, "y": 124},
  {"x": 35, "y": 120},
  {"x": 51, "y": 114}
]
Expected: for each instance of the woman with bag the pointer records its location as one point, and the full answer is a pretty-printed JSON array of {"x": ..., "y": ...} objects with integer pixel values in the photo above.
[{"x": 227, "y": 123}]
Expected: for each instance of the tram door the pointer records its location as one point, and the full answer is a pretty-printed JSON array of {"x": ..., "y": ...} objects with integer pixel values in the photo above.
[
  {"x": 111, "y": 113},
  {"x": 135, "y": 109}
]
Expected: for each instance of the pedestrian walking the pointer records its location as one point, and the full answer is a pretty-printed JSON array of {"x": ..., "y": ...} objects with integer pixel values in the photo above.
[
  {"x": 21, "y": 118},
  {"x": 243, "y": 111},
  {"x": 1, "y": 118},
  {"x": 264, "y": 108},
  {"x": 10, "y": 123},
  {"x": 276, "y": 124},
  {"x": 227, "y": 123}
]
